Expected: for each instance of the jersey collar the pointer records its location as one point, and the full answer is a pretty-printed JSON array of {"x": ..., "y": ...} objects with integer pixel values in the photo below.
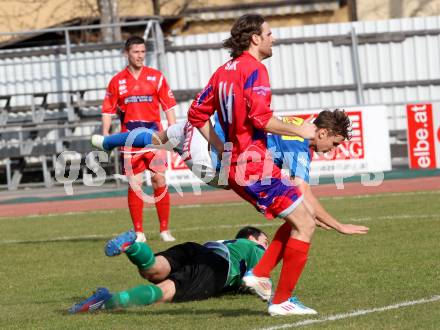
[
  {"x": 247, "y": 54},
  {"x": 131, "y": 74}
]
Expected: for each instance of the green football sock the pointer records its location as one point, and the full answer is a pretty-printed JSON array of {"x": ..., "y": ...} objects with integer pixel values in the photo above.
[
  {"x": 139, "y": 296},
  {"x": 141, "y": 255}
]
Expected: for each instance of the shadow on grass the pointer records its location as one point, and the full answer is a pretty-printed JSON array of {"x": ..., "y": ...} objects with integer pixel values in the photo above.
[
  {"x": 91, "y": 238},
  {"x": 190, "y": 311},
  {"x": 181, "y": 311}
]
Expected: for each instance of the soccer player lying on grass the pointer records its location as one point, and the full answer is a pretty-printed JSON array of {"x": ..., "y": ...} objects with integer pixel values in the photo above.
[{"x": 184, "y": 272}]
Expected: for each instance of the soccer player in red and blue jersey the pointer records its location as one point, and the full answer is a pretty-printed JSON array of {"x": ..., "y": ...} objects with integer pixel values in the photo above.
[
  {"x": 240, "y": 93},
  {"x": 295, "y": 155},
  {"x": 136, "y": 94}
]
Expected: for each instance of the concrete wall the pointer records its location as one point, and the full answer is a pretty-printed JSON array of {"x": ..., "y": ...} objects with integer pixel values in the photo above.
[
  {"x": 369, "y": 10},
  {"x": 18, "y": 15}
]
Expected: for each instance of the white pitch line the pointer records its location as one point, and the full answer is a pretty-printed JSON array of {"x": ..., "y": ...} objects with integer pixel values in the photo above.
[
  {"x": 415, "y": 193},
  {"x": 273, "y": 223},
  {"x": 393, "y": 217},
  {"x": 146, "y": 209},
  {"x": 74, "y": 238},
  {"x": 396, "y": 194},
  {"x": 355, "y": 313}
]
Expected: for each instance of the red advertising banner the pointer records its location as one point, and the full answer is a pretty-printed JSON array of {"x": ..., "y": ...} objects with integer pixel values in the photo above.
[
  {"x": 421, "y": 145},
  {"x": 351, "y": 149}
]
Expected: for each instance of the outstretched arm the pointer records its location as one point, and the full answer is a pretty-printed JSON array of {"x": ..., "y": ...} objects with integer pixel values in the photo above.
[{"x": 325, "y": 219}]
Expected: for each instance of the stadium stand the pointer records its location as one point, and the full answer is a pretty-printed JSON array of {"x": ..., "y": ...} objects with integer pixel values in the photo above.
[
  {"x": 50, "y": 98},
  {"x": 31, "y": 135}
]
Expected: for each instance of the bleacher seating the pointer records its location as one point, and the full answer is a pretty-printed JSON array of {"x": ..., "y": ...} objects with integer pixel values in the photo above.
[{"x": 31, "y": 136}]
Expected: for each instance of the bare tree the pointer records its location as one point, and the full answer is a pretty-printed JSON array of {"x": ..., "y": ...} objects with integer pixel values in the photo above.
[
  {"x": 177, "y": 10},
  {"x": 395, "y": 8},
  {"x": 115, "y": 16},
  {"x": 108, "y": 11},
  {"x": 421, "y": 8},
  {"x": 156, "y": 7},
  {"x": 17, "y": 20},
  {"x": 432, "y": 7}
]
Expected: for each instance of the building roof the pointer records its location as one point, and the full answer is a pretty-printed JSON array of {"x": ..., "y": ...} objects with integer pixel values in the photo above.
[{"x": 265, "y": 8}]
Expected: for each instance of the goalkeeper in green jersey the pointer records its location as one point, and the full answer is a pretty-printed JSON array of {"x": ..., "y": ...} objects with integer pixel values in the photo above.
[{"x": 184, "y": 272}]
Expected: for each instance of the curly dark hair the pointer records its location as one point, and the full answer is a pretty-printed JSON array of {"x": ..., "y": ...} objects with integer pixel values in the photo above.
[
  {"x": 241, "y": 33},
  {"x": 336, "y": 122},
  {"x": 133, "y": 40}
]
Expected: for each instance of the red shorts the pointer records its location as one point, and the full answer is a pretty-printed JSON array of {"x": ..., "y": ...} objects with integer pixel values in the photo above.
[
  {"x": 272, "y": 195},
  {"x": 136, "y": 163}
]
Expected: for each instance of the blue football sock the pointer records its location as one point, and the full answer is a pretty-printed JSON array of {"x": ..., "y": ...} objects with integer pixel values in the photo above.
[{"x": 143, "y": 138}]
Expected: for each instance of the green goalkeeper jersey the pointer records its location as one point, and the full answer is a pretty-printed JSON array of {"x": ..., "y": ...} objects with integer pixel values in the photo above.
[{"x": 243, "y": 256}]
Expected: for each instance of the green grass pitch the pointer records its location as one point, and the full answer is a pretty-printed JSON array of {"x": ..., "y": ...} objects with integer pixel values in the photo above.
[{"x": 50, "y": 262}]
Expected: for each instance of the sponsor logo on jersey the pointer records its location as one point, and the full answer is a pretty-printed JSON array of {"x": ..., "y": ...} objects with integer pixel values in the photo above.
[
  {"x": 231, "y": 66},
  {"x": 122, "y": 89},
  {"x": 151, "y": 78},
  {"x": 122, "y": 81},
  {"x": 138, "y": 99},
  {"x": 261, "y": 90}
]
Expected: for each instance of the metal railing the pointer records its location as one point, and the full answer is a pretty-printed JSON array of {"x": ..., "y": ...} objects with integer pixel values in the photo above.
[{"x": 68, "y": 78}]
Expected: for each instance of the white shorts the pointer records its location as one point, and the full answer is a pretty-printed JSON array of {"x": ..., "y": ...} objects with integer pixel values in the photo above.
[{"x": 190, "y": 144}]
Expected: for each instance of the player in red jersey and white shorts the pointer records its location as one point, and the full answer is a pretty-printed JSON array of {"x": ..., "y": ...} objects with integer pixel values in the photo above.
[{"x": 136, "y": 94}]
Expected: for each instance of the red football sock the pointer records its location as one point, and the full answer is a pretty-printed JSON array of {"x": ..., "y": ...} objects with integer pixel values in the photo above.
[
  {"x": 162, "y": 206},
  {"x": 294, "y": 260},
  {"x": 136, "y": 206},
  {"x": 274, "y": 252}
]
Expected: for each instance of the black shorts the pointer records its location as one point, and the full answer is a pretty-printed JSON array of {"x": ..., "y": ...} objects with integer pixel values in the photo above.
[{"x": 197, "y": 272}]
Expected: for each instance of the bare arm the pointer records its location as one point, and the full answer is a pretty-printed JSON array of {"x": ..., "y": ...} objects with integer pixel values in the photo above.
[
  {"x": 208, "y": 132},
  {"x": 171, "y": 117},
  {"x": 325, "y": 219},
  {"x": 275, "y": 126},
  {"x": 106, "y": 124}
]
